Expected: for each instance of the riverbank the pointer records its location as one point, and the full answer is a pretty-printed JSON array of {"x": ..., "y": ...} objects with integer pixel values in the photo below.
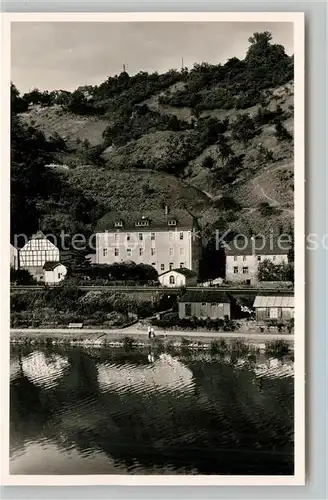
[{"x": 100, "y": 338}]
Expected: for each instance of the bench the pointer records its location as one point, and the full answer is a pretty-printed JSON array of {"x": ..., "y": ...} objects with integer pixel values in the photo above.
[{"x": 75, "y": 325}]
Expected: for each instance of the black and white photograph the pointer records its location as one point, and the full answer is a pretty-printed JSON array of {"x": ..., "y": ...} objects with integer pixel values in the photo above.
[{"x": 156, "y": 176}]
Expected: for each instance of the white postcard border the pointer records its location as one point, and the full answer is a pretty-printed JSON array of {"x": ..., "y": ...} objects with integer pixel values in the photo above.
[{"x": 297, "y": 18}]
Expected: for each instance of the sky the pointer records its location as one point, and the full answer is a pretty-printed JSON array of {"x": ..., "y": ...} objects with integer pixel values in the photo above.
[{"x": 66, "y": 55}]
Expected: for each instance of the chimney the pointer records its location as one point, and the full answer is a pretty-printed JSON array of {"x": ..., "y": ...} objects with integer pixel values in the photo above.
[{"x": 166, "y": 210}]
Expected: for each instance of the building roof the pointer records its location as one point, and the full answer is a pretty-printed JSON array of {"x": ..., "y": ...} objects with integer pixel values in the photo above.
[
  {"x": 257, "y": 246},
  {"x": 274, "y": 300},
  {"x": 50, "y": 266},
  {"x": 188, "y": 273},
  {"x": 157, "y": 219},
  {"x": 205, "y": 296}
]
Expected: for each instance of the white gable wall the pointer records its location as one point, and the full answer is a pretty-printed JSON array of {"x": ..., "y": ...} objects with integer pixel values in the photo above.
[
  {"x": 175, "y": 279},
  {"x": 56, "y": 275}
]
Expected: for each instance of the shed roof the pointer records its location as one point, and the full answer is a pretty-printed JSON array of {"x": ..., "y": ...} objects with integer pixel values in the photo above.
[
  {"x": 50, "y": 266},
  {"x": 205, "y": 296},
  {"x": 274, "y": 300},
  {"x": 188, "y": 273}
]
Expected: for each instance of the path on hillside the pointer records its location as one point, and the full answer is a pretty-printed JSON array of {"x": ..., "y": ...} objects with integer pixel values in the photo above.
[
  {"x": 256, "y": 183},
  {"x": 273, "y": 202}
]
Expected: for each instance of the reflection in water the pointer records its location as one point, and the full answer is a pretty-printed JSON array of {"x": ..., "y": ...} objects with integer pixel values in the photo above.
[
  {"x": 164, "y": 374},
  {"x": 79, "y": 411}
]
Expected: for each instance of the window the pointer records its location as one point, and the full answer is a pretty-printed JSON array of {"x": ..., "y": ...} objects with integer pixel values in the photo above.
[
  {"x": 153, "y": 264},
  {"x": 259, "y": 258},
  {"x": 235, "y": 257},
  {"x": 140, "y": 251},
  {"x": 117, "y": 236},
  {"x": 273, "y": 257},
  {"x": 170, "y": 236},
  {"x": 181, "y": 265},
  {"x": 182, "y": 251},
  {"x": 181, "y": 236},
  {"x": 129, "y": 252},
  {"x": 171, "y": 251},
  {"x": 105, "y": 252},
  {"x": 116, "y": 252},
  {"x": 152, "y": 236},
  {"x": 245, "y": 270},
  {"x": 59, "y": 276},
  {"x": 162, "y": 267},
  {"x": 172, "y": 280},
  {"x": 152, "y": 251},
  {"x": 172, "y": 222},
  {"x": 140, "y": 236},
  {"x": 235, "y": 270},
  {"x": 204, "y": 304},
  {"x": 244, "y": 257},
  {"x": 118, "y": 223},
  {"x": 128, "y": 237},
  {"x": 171, "y": 266}
]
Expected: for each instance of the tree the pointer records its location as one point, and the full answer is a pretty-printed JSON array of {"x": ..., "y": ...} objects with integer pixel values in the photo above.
[
  {"x": 21, "y": 277},
  {"x": 268, "y": 271},
  {"x": 224, "y": 149},
  {"x": 260, "y": 40},
  {"x": 208, "y": 163},
  {"x": 18, "y": 104},
  {"x": 281, "y": 132},
  {"x": 243, "y": 129}
]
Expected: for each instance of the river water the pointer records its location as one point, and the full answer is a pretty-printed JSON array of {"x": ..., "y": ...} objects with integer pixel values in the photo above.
[{"x": 87, "y": 411}]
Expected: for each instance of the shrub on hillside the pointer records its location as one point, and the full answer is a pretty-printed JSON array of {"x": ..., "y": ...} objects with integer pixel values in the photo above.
[
  {"x": 264, "y": 115},
  {"x": 281, "y": 132},
  {"x": 227, "y": 203},
  {"x": 243, "y": 129},
  {"x": 265, "y": 209}
]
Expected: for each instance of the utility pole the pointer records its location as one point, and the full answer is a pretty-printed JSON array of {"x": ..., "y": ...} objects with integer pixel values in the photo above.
[
  {"x": 182, "y": 65},
  {"x": 123, "y": 68}
]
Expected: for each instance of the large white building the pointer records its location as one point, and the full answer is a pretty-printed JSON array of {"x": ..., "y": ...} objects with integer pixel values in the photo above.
[
  {"x": 36, "y": 252},
  {"x": 244, "y": 256},
  {"x": 166, "y": 240}
]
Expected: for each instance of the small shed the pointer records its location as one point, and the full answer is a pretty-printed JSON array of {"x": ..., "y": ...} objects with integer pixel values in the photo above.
[
  {"x": 279, "y": 306},
  {"x": 54, "y": 272},
  {"x": 182, "y": 277},
  {"x": 214, "y": 304}
]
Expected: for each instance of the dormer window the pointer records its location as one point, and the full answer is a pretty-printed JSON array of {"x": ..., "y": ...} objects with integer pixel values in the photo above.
[
  {"x": 119, "y": 223},
  {"x": 172, "y": 222},
  {"x": 143, "y": 222}
]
